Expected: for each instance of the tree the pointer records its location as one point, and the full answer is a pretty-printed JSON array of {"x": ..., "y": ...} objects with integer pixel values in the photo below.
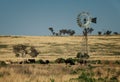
[
  {"x": 52, "y": 31},
  {"x": 108, "y": 32},
  {"x": 21, "y": 50},
  {"x": 70, "y": 32},
  {"x": 88, "y": 31},
  {"x": 115, "y": 33},
  {"x": 65, "y": 31},
  {"x": 33, "y": 52},
  {"x": 99, "y": 32}
]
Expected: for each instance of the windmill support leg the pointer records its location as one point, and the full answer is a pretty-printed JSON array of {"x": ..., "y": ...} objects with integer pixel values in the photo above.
[{"x": 86, "y": 41}]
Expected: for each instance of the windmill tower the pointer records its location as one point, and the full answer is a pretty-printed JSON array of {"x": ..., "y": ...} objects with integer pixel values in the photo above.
[{"x": 84, "y": 20}]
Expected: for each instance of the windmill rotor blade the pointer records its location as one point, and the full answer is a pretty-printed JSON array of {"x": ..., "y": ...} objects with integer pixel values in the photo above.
[{"x": 94, "y": 20}]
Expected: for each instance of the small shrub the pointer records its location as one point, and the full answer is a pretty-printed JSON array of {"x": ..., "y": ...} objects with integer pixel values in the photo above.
[
  {"x": 93, "y": 62},
  {"x": 4, "y": 73},
  {"x": 86, "y": 55},
  {"x": 73, "y": 80},
  {"x": 73, "y": 72},
  {"x": 117, "y": 62},
  {"x": 107, "y": 62},
  {"x": 17, "y": 55},
  {"x": 101, "y": 80},
  {"x": 22, "y": 50},
  {"x": 114, "y": 79},
  {"x": 99, "y": 62},
  {"x": 80, "y": 55},
  {"x": 3, "y": 46},
  {"x": 85, "y": 78},
  {"x": 1, "y": 74},
  {"x": 52, "y": 80},
  {"x": 33, "y": 52},
  {"x": 90, "y": 66}
]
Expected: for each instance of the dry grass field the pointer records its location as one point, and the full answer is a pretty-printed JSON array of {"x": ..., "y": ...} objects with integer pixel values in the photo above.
[{"x": 52, "y": 47}]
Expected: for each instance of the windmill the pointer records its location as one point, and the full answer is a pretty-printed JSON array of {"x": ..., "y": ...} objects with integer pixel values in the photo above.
[{"x": 84, "y": 20}]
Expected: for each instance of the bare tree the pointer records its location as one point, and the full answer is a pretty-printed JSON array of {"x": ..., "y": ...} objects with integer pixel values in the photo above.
[
  {"x": 65, "y": 31},
  {"x": 115, "y": 33},
  {"x": 108, "y": 32},
  {"x": 33, "y": 52},
  {"x": 52, "y": 31},
  {"x": 21, "y": 50},
  {"x": 99, "y": 32},
  {"x": 88, "y": 31}
]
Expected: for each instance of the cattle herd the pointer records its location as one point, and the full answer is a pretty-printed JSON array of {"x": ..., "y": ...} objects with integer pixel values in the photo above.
[{"x": 69, "y": 61}]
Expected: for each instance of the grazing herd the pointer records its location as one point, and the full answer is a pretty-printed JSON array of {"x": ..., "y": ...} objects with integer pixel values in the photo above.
[
  {"x": 67, "y": 61},
  {"x": 71, "y": 61}
]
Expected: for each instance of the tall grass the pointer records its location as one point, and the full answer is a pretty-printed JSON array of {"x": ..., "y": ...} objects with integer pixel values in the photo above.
[{"x": 58, "y": 73}]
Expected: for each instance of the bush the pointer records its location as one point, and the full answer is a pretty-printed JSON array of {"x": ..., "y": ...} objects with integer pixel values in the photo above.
[
  {"x": 117, "y": 62},
  {"x": 107, "y": 62},
  {"x": 93, "y": 61},
  {"x": 4, "y": 73},
  {"x": 33, "y": 52},
  {"x": 60, "y": 60},
  {"x": 86, "y": 55},
  {"x": 101, "y": 80},
  {"x": 99, "y": 62},
  {"x": 22, "y": 50},
  {"x": 3, "y": 46},
  {"x": 52, "y": 80},
  {"x": 114, "y": 79},
  {"x": 80, "y": 55},
  {"x": 85, "y": 78}
]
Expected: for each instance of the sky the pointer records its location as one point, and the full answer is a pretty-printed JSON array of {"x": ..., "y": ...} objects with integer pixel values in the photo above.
[{"x": 34, "y": 17}]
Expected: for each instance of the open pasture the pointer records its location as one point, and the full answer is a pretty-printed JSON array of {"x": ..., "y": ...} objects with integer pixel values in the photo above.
[{"x": 104, "y": 49}]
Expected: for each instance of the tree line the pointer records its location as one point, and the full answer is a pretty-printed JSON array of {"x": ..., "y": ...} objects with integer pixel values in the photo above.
[
  {"x": 69, "y": 32},
  {"x": 108, "y": 32},
  {"x": 62, "y": 32}
]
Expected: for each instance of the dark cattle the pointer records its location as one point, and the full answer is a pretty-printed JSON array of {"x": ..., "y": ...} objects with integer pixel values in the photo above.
[
  {"x": 31, "y": 60},
  {"x": 21, "y": 62},
  {"x": 47, "y": 62},
  {"x": 82, "y": 62},
  {"x": 41, "y": 61},
  {"x": 44, "y": 62},
  {"x": 70, "y": 61},
  {"x": 85, "y": 62},
  {"x": 26, "y": 62}
]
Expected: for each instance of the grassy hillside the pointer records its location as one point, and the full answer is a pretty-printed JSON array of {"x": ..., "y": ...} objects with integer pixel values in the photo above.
[{"x": 52, "y": 47}]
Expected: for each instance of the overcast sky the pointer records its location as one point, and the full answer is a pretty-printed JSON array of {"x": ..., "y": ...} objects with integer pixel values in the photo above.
[{"x": 34, "y": 17}]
